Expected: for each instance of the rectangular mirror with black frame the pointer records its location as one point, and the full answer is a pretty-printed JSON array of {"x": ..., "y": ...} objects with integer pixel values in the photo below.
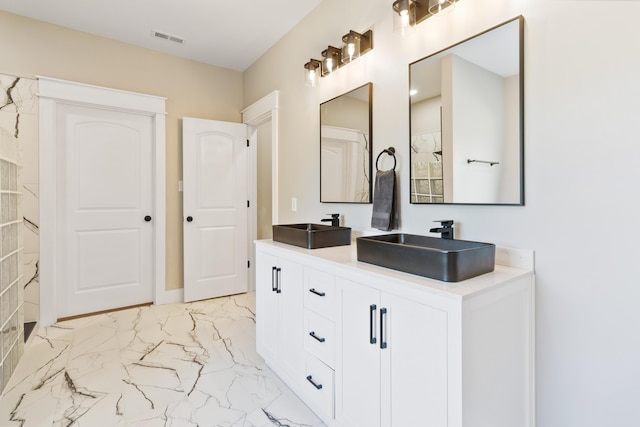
[
  {"x": 345, "y": 147},
  {"x": 467, "y": 121}
]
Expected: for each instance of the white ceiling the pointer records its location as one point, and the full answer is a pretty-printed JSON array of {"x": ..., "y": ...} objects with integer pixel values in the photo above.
[{"x": 227, "y": 33}]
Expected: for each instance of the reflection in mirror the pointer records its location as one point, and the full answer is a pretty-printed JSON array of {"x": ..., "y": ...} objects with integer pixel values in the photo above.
[
  {"x": 467, "y": 121},
  {"x": 345, "y": 147}
]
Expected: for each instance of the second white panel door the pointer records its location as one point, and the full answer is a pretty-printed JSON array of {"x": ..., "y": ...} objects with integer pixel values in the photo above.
[{"x": 215, "y": 156}]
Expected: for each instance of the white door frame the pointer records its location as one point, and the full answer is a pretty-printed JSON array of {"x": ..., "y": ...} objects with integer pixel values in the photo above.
[
  {"x": 259, "y": 112},
  {"x": 51, "y": 93}
]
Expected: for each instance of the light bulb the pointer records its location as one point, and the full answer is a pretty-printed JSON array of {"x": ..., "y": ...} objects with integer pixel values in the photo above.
[
  {"x": 351, "y": 50},
  {"x": 329, "y": 64},
  {"x": 311, "y": 78},
  {"x": 404, "y": 18}
]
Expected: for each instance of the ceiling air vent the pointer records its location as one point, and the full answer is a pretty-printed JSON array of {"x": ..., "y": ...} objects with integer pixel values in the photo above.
[{"x": 167, "y": 36}]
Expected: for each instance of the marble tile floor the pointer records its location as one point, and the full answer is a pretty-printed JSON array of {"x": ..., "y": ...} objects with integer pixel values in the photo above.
[{"x": 174, "y": 365}]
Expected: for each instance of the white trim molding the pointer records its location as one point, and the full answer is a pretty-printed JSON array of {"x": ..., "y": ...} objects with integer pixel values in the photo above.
[
  {"x": 257, "y": 113},
  {"x": 262, "y": 111},
  {"x": 51, "y": 93}
]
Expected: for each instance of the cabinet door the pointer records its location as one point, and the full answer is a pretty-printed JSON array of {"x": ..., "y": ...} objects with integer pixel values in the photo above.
[
  {"x": 414, "y": 364},
  {"x": 358, "y": 403},
  {"x": 266, "y": 307},
  {"x": 291, "y": 318}
]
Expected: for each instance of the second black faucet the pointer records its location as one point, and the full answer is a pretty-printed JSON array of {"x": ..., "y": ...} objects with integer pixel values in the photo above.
[
  {"x": 335, "y": 220},
  {"x": 445, "y": 229}
]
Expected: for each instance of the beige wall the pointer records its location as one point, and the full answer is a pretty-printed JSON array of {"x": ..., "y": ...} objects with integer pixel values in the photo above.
[
  {"x": 581, "y": 165},
  {"x": 192, "y": 89}
]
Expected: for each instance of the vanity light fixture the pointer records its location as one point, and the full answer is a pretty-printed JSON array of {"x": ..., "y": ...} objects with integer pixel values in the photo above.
[
  {"x": 356, "y": 44},
  {"x": 331, "y": 62},
  {"x": 409, "y": 13},
  {"x": 312, "y": 70}
]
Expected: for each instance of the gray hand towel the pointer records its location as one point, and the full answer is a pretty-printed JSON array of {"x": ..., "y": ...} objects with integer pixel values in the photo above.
[{"x": 384, "y": 200}]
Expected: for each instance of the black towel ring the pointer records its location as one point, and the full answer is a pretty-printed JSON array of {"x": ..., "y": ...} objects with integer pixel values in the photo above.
[{"x": 390, "y": 151}]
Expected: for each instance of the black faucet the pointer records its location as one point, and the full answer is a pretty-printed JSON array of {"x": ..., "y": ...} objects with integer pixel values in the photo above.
[
  {"x": 335, "y": 220},
  {"x": 445, "y": 229}
]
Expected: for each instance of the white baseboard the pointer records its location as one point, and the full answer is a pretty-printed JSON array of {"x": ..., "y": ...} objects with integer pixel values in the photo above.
[{"x": 170, "y": 296}]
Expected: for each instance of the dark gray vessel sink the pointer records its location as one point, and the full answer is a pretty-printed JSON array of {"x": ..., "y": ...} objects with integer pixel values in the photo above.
[
  {"x": 442, "y": 259},
  {"x": 312, "y": 236}
]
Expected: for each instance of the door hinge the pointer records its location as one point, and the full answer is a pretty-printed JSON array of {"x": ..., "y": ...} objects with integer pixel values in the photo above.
[
  {"x": 247, "y": 203},
  {"x": 247, "y": 142},
  {"x": 248, "y": 264}
]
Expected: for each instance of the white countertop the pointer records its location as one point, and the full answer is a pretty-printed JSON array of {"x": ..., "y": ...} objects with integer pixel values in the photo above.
[{"x": 345, "y": 257}]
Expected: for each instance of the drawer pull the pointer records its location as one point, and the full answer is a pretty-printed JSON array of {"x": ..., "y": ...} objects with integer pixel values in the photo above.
[
  {"x": 316, "y": 385},
  {"x": 313, "y": 291},
  {"x": 313, "y": 335},
  {"x": 372, "y": 319}
]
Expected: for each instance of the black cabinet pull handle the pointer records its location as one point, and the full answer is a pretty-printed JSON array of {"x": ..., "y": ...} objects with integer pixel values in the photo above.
[
  {"x": 313, "y": 335},
  {"x": 383, "y": 315},
  {"x": 189, "y": 218},
  {"x": 147, "y": 218},
  {"x": 372, "y": 319},
  {"x": 274, "y": 286},
  {"x": 313, "y": 291},
  {"x": 316, "y": 385},
  {"x": 278, "y": 288}
]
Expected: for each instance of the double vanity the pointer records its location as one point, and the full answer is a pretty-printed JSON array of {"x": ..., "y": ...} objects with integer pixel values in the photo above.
[
  {"x": 366, "y": 345},
  {"x": 400, "y": 330}
]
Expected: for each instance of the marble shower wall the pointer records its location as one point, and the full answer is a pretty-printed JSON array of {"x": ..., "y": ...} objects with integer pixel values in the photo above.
[
  {"x": 19, "y": 118},
  {"x": 18, "y": 176}
]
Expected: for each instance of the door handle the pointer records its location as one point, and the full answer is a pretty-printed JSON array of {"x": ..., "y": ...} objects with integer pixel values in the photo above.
[
  {"x": 274, "y": 286},
  {"x": 189, "y": 218},
  {"x": 278, "y": 288},
  {"x": 372, "y": 319},
  {"x": 383, "y": 338},
  {"x": 147, "y": 218}
]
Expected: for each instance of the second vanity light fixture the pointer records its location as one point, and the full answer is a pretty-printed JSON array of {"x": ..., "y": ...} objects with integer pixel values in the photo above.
[
  {"x": 354, "y": 44},
  {"x": 409, "y": 13}
]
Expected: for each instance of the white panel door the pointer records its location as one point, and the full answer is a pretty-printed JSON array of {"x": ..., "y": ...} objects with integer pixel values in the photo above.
[
  {"x": 105, "y": 242},
  {"x": 215, "y": 156}
]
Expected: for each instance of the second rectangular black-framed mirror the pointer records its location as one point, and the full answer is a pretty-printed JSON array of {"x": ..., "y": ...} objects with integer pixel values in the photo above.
[{"x": 467, "y": 121}]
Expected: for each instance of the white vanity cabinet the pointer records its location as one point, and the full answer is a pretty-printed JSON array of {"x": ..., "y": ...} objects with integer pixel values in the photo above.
[
  {"x": 395, "y": 350},
  {"x": 279, "y": 308},
  {"x": 393, "y": 364}
]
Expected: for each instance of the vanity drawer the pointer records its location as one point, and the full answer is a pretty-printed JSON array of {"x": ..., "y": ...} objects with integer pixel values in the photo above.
[
  {"x": 319, "y": 337},
  {"x": 318, "y": 387},
  {"x": 319, "y": 292}
]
